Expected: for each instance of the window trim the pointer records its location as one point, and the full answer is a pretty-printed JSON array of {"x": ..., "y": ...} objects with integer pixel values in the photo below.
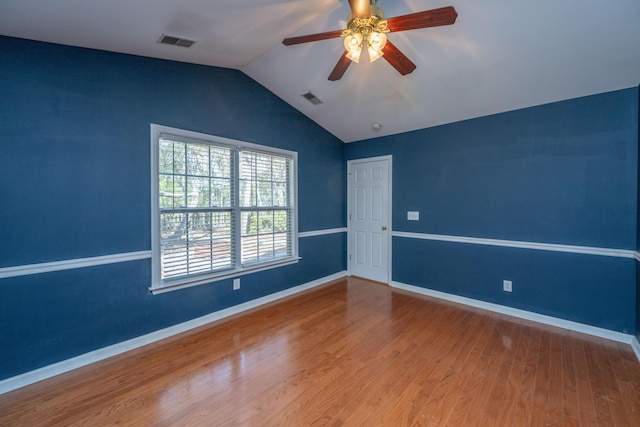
[{"x": 159, "y": 286}]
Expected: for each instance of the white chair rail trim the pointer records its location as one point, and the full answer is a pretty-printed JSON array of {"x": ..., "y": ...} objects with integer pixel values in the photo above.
[
  {"x": 620, "y": 253},
  {"x": 47, "y": 267},
  {"x": 324, "y": 232},
  {"x": 70, "y": 264}
]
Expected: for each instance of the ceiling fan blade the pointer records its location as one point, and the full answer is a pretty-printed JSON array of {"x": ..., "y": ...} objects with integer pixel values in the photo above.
[
  {"x": 340, "y": 68},
  {"x": 360, "y": 8},
  {"x": 311, "y": 37},
  {"x": 428, "y": 18},
  {"x": 397, "y": 59}
]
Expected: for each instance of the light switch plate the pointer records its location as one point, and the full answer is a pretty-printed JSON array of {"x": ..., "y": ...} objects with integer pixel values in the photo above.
[{"x": 413, "y": 215}]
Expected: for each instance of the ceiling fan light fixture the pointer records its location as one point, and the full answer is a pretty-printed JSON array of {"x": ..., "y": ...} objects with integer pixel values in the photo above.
[
  {"x": 376, "y": 42},
  {"x": 353, "y": 45},
  {"x": 370, "y": 31},
  {"x": 354, "y": 55},
  {"x": 374, "y": 54}
]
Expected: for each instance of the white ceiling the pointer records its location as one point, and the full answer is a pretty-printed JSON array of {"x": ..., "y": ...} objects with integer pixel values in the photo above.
[{"x": 500, "y": 55}]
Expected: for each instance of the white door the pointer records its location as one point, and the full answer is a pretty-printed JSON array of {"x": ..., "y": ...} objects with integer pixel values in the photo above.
[{"x": 369, "y": 218}]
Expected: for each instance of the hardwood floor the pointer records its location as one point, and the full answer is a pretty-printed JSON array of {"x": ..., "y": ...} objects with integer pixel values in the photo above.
[{"x": 349, "y": 353}]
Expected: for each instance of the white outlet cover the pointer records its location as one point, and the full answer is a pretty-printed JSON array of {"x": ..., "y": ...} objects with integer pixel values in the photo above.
[
  {"x": 236, "y": 284},
  {"x": 507, "y": 285},
  {"x": 413, "y": 216}
]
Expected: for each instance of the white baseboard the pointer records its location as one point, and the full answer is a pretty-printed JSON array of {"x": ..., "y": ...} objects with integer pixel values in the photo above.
[
  {"x": 635, "y": 345},
  {"x": 49, "y": 371},
  {"x": 528, "y": 315}
]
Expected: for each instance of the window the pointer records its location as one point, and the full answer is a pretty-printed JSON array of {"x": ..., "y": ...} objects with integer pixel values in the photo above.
[{"x": 220, "y": 207}]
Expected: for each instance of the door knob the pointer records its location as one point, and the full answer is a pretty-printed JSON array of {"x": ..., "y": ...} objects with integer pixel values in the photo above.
[{"x": 384, "y": 227}]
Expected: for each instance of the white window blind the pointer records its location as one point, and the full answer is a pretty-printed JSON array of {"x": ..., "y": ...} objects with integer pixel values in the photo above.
[
  {"x": 265, "y": 205},
  {"x": 220, "y": 208}
]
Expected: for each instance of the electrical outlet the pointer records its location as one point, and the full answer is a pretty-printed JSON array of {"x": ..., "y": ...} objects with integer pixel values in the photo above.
[
  {"x": 507, "y": 285},
  {"x": 236, "y": 284},
  {"x": 413, "y": 216}
]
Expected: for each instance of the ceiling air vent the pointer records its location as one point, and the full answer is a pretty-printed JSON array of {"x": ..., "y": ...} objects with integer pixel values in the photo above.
[
  {"x": 175, "y": 41},
  {"x": 312, "y": 98}
]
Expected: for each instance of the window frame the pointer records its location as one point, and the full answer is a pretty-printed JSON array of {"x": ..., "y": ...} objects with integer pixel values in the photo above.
[{"x": 157, "y": 284}]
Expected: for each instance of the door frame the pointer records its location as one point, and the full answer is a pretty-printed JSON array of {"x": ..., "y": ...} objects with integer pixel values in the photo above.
[{"x": 350, "y": 236}]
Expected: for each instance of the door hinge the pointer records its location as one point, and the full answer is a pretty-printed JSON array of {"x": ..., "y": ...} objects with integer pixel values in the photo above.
[
  {"x": 349, "y": 217},
  {"x": 349, "y": 257}
]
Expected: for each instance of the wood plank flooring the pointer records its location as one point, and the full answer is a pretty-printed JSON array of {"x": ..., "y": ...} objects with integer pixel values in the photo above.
[{"x": 350, "y": 353}]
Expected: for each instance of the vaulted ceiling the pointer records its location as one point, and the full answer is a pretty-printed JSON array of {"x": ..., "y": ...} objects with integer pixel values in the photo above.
[{"x": 500, "y": 55}]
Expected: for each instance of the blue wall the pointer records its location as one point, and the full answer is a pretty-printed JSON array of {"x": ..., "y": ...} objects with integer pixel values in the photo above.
[
  {"x": 638, "y": 232},
  {"x": 563, "y": 173},
  {"x": 75, "y": 183}
]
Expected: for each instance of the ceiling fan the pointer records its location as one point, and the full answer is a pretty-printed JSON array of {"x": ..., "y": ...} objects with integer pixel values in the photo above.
[{"x": 367, "y": 27}]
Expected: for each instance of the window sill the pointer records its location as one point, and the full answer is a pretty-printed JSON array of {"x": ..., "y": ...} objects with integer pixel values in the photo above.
[{"x": 160, "y": 289}]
